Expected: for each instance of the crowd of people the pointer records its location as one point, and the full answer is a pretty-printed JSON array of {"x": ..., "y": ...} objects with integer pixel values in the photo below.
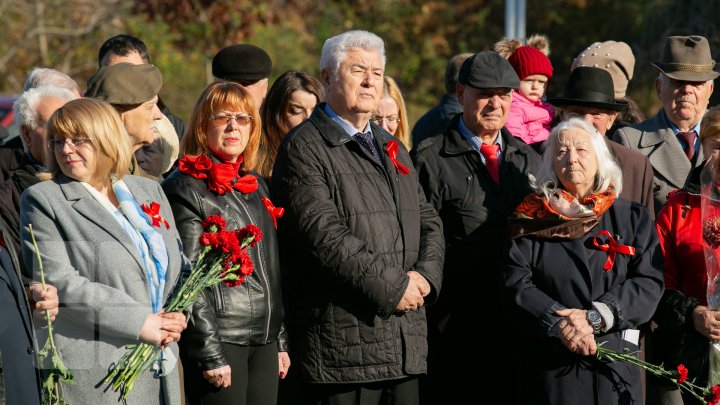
[{"x": 551, "y": 222}]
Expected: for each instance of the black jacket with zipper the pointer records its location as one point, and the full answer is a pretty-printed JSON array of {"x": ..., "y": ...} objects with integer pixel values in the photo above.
[{"x": 249, "y": 314}]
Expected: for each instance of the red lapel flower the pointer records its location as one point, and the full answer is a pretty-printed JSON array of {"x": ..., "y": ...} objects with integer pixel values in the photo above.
[
  {"x": 392, "y": 151},
  {"x": 612, "y": 248},
  {"x": 275, "y": 212},
  {"x": 153, "y": 211}
]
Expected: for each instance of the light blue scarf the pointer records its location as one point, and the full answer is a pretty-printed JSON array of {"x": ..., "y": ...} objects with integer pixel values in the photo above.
[{"x": 147, "y": 240}]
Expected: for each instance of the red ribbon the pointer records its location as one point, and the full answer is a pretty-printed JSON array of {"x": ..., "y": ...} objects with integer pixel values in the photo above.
[
  {"x": 275, "y": 212},
  {"x": 392, "y": 151},
  {"x": 153, "y": 212},
  {"x": 612, "y": 248}
]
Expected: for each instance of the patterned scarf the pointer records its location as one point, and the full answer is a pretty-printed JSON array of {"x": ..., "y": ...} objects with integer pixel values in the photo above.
[{"x": 560, "y": 216}]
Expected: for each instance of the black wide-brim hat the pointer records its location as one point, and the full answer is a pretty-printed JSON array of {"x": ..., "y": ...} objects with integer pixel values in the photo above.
[{"x": 589, "y": 87}]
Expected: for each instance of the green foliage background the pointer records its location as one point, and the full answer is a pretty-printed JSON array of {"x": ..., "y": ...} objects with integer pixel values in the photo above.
[{"x": 183, "y": 35}]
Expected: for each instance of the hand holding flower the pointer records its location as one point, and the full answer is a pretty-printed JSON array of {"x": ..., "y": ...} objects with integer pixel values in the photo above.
[
  {"x": 163, "y": 328},
  {"x": 43, "y": 300}
]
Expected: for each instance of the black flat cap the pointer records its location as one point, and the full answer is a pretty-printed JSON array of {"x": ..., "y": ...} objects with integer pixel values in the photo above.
[
  {"x": 125, "y": 84},
  {"x": 488, "y": 70},
  {"x": 242, "y": 62}
]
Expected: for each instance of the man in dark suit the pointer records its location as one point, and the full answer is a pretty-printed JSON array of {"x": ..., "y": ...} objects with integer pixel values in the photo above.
[
  {"x": 670, "y": 138},
  {"x": 474, "y": 174},
  {"x": 19, "y": 379},
  {"x": 589, "y": 95}
]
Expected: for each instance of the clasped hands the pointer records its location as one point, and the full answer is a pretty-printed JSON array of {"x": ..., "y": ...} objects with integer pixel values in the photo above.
[
  {"x": 576, "y": 332},
  {"x": 163, "y": 328},
  {"x": 417, "y": 289}
]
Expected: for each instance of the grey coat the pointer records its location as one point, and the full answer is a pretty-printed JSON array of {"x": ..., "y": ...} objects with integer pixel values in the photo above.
[
  {"x": 655, "y": 139},
  {"x": 104, "y": 296}
]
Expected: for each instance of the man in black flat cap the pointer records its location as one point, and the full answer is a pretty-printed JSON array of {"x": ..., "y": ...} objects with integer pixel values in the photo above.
[
  {"x": 589, "y": 95},
  {"x": 670, "y": 138},
  {"x": 474, "y": 174},
  {"x": 133, "y": 91},
  {"x": 247, "y": 65}
]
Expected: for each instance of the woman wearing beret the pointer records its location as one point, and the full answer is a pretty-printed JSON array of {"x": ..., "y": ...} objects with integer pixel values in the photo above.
[
  {"x": 234, "y": 351},
  {"x": 583, "y": 269},
  {"x": 113, "y": 266}
]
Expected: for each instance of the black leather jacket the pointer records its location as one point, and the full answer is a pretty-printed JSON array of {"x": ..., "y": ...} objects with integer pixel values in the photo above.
[{"x": 249, "y": 314}]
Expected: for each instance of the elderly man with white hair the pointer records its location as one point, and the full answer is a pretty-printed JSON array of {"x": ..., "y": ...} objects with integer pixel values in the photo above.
[
  {"x": 32, "y": 110},
  {"x": 362, "y": 248}
]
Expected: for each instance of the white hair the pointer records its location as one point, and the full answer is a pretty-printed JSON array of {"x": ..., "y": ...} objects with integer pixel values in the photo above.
[
  {"x": 609, "y": 173},
  {"x": 45, "y": 76},
  {"x": 335, "y": 49},
  {"x": 25, "y": 106}
]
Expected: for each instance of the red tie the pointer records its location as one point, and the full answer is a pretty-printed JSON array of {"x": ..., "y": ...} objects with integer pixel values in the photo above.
[
  {"x": 491, "y": 159},
  {"x": 689, "y": 139}
]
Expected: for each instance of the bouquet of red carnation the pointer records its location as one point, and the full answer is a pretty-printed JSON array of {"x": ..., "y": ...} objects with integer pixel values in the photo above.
[
  {"x": 223, "y": 258},
  {"x": 679, "y": 376}
]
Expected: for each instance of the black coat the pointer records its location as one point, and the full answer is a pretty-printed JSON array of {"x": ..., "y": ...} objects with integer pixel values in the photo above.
[
  {"x": 351, "y": 231},
  {"x": 249, "y": 314},
  {"x": 542, "y": 274},
  {"x": 474, "y": 211},
  {"x": 19, "y": 379}
]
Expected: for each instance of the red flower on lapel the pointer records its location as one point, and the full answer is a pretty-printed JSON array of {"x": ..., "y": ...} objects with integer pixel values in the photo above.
[
  {"x": 275, "y": 212},
  {"x": 392, "y": 151},
  {"x": 153, "y": 211},
  {"x": 196, "y": 166}
]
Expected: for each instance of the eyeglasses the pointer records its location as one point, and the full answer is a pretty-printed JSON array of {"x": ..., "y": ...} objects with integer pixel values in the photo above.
[
  {"x": 224, "y": 119},
  {"x": 58, "y": 144},
  {"x": 378, "y": 120}
]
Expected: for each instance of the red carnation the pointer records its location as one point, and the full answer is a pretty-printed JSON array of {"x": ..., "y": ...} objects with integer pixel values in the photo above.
[
  {"x": 714, "y": 396},
  {"x": 682, "y": 373},
  {"x": 208, "y": 238},
  {"x": 250, "y": 234},
  {"x": 216, "y": 220},
  {"x": 195, "y": 166},
  {"x": 227, "y": 241},
  {"x": 246, "y": 264}
]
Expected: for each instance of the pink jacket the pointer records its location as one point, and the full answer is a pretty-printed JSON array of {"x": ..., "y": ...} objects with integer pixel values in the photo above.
[{"x": 529, "y": 120}]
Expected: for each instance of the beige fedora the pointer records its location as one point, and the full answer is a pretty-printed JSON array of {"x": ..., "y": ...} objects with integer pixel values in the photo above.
[{"x": 687, "y": 58}]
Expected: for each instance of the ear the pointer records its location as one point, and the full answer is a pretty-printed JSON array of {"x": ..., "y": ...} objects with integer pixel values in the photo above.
[
  {"x": 657, "y": 87},
  {"x": 25, "y": 136},
  {"x": 611, "y": 121},
  {"x": 460, "y": 92},
  {"x": 325, "y": 76}
]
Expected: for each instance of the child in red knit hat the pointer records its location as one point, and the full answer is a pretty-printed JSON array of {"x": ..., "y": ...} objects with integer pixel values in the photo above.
[{"x": 529, "y": 117}]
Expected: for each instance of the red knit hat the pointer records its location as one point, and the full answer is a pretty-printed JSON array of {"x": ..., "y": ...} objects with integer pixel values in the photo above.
[{"x": 528, "y": 61}]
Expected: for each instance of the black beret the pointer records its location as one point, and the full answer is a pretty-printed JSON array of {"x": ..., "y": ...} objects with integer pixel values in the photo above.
[
  {"x": 243, "y": 62},
  {"x": 488, "y": 70},
  {"x": 125, "y": 84}
]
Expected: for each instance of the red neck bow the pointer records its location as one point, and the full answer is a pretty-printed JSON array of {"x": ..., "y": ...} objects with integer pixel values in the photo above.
[
  {"x": 222, "y": 177},
  {"x": 153, "y": 211},
  {"x": 275, "y": 212},
  {"x": 392, "y": 151},
  {"x": 612, "y": 248}
]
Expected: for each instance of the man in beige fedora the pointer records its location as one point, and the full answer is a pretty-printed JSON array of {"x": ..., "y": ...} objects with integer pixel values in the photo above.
[{"x": 669, "y": 139}]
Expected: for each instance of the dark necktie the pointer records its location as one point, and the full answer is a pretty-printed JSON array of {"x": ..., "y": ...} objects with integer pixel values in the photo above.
[
  {"x": 366, "y": 140},
  {"x": 689, "y": 139},
  {"x": 491, "y": 160}
]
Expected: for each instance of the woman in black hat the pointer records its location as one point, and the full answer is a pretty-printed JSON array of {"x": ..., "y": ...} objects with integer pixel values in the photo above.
[{"x": 589, "y": 95}]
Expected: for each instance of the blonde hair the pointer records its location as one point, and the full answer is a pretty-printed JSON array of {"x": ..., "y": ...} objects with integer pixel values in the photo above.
[
  {"x": 403, "y": 130},
  {"x": 217, "y": 96},
  {"x": 100, "y": 123},
  {"x": 710, "y": 124}
]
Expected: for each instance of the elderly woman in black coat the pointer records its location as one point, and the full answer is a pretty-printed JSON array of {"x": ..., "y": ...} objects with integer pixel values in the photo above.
[{"x": 584, "y": 268}]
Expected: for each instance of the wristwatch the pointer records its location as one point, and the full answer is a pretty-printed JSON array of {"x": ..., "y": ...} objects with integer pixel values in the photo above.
[{"x": 593, "y": 316}]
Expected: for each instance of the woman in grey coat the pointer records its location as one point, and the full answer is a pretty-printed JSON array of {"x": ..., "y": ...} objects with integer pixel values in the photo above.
[{"x": 113, "y": 260}]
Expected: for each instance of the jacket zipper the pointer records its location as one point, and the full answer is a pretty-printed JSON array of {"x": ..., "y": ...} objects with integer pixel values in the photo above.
[{"x": 261, "y": 267}]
